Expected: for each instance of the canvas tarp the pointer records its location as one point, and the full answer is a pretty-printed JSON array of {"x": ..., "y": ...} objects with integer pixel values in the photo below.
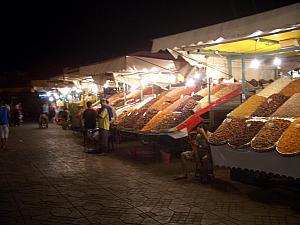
[{"x": 273, "y": 21}]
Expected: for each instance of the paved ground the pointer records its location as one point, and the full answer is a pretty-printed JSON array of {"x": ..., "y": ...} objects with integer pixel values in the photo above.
[{"x": 45, "y": 178}]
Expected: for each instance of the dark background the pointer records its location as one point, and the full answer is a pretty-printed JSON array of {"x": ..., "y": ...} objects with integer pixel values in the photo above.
[{"x": 38, "y": 39}]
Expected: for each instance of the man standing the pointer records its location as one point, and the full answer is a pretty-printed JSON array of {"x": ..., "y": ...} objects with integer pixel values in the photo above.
[
  {"x": 105, "y": 115},
  {"x": 89, "y": 117},
  {"x": 4, "y": 122}
]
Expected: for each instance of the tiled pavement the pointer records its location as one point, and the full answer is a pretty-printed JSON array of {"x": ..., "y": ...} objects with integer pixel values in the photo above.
[{"x": 45, "y": 178}]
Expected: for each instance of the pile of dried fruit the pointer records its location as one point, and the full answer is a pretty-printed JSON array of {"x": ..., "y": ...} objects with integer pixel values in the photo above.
[
  {"x": 267, "y": 137},
  {"x": 275, "y": 87},
  {"x": 292, "y": 88},
  {"x": 145, "y": 118},
  {"x": 226, "y": 90},
  {"x": 248, "y": 107},
  {"x": 244, "y": 133},
  {"x": 289, "y": 142},
  {"x": 270, "y": 105},
  {"x": 291, "y": 108},
  {"x": 225, "y": 131},
  {"x": 156, "y": 119},
  {"x": 213, "y": 89},
  {"x": 181, "y": 113}
]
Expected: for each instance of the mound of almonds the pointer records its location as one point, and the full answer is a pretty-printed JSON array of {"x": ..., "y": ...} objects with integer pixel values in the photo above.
[
  {"x": 269, "y": 134},
  {"x": 292, "y": 88},
  {"x": 244, "y": 133},
  {"x": 145, "y": 118},
  {"x": 181, "y": 113},
  {"x": 291, "y": 108},
  {"x": 225, "y": 131},
  {"x": 289, "y": 143},
  {"x": 270, "y": 105}
]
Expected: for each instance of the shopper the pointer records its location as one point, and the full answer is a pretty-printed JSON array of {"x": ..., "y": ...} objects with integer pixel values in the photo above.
[
  {"x": 105, "y": 115},
  {"x": 89, "y": 117},
  {"x": 199, "y": 153},
  {"x": 4, "y": 124}
]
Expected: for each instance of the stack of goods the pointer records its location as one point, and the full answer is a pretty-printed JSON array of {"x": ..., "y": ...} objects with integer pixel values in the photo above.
[
  {"x": 180, "y": 114},
  {"x": 161, "y": 118},
  {"x": 267, "y": 137},
  {"x": 291, "y": 108},
  {"x": 115, "y": 97},
  {"x": 225, "y": 131},
  {"x": 270, "y": 105},
  {"x": 223, "y": 91},
  {"x": 292, "y": 88},
  {"x": 164, "y": 102},
  {"x": 213, "y": 89},
  {"x": 248, "y": 107},
  {"x": 244, "y": 133},
  {"x": 254, "y": 83},
  {"x": 121, "y": 118},
  {"x": 118, "y": 103},
  {"x": 131, "y": 118},
  {"x": 275, "y": 87},
  {"x": 289, "y": 143}
]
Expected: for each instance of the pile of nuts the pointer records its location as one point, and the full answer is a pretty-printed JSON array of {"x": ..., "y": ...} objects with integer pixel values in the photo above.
[
  {"x": 225, "y": 131},
  {"x": 267, "y": 137},
  {"x": 289, "y": 142},
  {"x": 292, "y": 88},
  {"x": 156, "y": 119},
  {"x": 248, "y": 107},
  {"x": 145, "y": 118},
  {"x": 181, "y": 113},
  {"x": 270, "y": 105},
  {"x": 291, "y": 108},
  {"x": 275, "y": 87},
  {"x": 244, "y": 133}
]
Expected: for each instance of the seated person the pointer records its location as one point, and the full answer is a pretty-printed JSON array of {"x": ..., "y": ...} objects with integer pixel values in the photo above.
[{"x": 199, "y": 144}]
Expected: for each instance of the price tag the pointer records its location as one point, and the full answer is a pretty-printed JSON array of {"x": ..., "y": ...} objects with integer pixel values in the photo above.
[
  {"x": 269, "y": 100},
  {"x": 249, "y": 125}
]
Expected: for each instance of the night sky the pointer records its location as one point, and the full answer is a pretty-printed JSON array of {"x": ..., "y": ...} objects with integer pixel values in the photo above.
[{"x": 42, "y": 38}]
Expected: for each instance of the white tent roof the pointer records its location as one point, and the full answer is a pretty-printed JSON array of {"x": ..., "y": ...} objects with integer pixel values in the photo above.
[
  {"x": 128, "y": 64},
  {"x": 273, "y": 21}
]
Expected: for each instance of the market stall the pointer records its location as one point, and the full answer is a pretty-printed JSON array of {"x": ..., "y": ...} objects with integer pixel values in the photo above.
[{"x": 258, "y": 49}]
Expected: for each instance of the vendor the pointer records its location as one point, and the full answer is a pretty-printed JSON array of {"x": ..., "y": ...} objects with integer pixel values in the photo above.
[{"x": 200, "y": 146}]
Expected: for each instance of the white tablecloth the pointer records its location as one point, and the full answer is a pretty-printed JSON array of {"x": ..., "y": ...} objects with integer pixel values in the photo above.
[{"x": 269, "y": 162}]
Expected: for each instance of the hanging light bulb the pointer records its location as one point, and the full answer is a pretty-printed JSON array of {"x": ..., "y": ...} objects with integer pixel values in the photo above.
[
  {"x": 51, "y": 99},
  {"x": 190, "y": 83},
  {"x": 255, "y": 64},
  {"x": 197, "y": 75},
  {"x": 277, "y": 61}
]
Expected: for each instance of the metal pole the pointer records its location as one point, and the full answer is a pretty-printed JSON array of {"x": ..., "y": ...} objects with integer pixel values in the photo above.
[
  {"x": 276, "y": 73},
  {"x": 243, "y": 80},
  {"x": 142, "y": 88},
  {"x": 229, "y": 64},
  {"x": 209, "y": 89}
]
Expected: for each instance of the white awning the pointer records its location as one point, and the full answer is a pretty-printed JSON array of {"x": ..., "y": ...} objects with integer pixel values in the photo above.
[
  {"x": 273, "y": 21},
  {"x": 128, "y": 64}
]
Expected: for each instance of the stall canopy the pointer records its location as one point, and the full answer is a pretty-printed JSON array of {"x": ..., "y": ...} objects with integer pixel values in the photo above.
[
  {"x": 130, "y": 69},
  {"x": 131, "y": 63},
  {"x": 270, "y": 22}
]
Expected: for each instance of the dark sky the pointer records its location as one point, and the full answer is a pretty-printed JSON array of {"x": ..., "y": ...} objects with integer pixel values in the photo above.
[{"x": 44, "y": 37}]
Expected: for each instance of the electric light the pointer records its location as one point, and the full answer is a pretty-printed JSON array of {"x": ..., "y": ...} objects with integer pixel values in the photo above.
[
  {"x": 190, "y": 83},
  {"x": 197, "y": 75},
  {"x": 69, "y": 97},
  {"x": 255, "y": 64},
  {"x": 277, "y": 61},
  {"x": 51, "y": 99}
]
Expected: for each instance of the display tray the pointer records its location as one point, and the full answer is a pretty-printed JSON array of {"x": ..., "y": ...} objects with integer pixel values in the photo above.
[
  {"x": 259, "y": 150},
  {"x": 291, "y": 154},
  {"x": 221, "y": 143},
  {"x": 240, "y": 147}
]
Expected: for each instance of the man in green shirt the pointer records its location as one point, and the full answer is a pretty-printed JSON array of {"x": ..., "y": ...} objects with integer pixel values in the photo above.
[{"x": 104, "y": 123}]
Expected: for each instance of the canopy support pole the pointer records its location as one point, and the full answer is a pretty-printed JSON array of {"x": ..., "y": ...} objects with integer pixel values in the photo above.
[
  {"x": 243, "y": 79},
  {"x": 276, "y": 73},
  {"x": 229, "y": 64}
]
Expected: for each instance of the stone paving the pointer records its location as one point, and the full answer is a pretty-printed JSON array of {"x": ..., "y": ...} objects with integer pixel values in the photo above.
[{"x": 45, "y": 178}]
